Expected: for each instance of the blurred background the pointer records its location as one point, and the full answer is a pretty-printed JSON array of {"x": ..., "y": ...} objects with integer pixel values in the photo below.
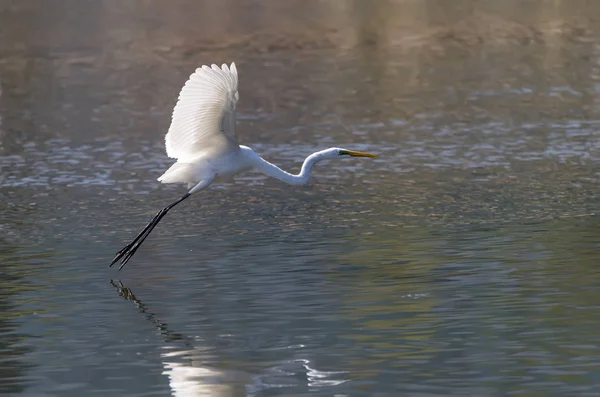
[{"x": 461, "y": 262}]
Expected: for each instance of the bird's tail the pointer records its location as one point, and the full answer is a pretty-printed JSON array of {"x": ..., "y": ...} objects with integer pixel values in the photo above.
[{"x": 179, "y": 173}]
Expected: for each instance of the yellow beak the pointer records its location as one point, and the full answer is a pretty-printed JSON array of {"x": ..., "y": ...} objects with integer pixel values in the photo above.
[{"x": 355, "y": 153}]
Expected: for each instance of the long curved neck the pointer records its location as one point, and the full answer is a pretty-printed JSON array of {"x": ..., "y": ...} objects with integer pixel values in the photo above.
[{"x": 302, "y": 178}]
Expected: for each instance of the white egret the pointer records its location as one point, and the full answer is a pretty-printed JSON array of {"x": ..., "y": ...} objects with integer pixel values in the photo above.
[{"x": 202, "y": 137}]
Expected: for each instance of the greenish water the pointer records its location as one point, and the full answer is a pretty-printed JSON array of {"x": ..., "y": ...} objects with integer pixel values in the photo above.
[{"x": 463, "y": 261}]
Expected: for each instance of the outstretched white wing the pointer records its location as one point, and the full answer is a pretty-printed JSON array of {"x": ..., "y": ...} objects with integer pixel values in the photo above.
[{"x": 203, "y": 120}]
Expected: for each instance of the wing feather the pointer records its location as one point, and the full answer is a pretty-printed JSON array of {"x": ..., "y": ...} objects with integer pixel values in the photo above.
[{"x": 203, "y": 121}]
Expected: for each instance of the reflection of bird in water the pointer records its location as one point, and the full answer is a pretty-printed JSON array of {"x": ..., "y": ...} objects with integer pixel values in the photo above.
[
  {"x": 202, "y": 137},
  {"x": 185, "y": 364}
]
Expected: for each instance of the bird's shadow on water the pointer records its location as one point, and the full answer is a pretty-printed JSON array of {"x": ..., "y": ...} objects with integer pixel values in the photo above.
[
  {"x": 185, "y": 363},
  {"x": 167, "y": 334}
]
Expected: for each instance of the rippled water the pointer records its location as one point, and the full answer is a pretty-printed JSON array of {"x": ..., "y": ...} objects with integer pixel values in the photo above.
[{"x": 463, "y": 261}]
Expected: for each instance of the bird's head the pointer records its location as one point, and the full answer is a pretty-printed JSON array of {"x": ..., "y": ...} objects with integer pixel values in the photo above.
[
  {"x": 355, "y": 153},
  {"x": 334, "y": 153},
  {"x": 338, "y": 152}
]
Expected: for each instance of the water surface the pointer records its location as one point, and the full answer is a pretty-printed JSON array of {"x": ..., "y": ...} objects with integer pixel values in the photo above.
[{"x": 461, "y": 262}]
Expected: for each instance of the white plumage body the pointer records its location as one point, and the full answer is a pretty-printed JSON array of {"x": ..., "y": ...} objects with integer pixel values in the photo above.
[{"x": 207, "y": 167}]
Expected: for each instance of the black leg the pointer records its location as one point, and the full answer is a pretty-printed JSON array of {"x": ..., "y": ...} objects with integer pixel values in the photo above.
[{"x": 127, "y": 252}]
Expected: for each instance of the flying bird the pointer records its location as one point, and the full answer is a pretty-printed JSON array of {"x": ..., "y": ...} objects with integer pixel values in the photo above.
[{"x": 202, "y": 138}]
